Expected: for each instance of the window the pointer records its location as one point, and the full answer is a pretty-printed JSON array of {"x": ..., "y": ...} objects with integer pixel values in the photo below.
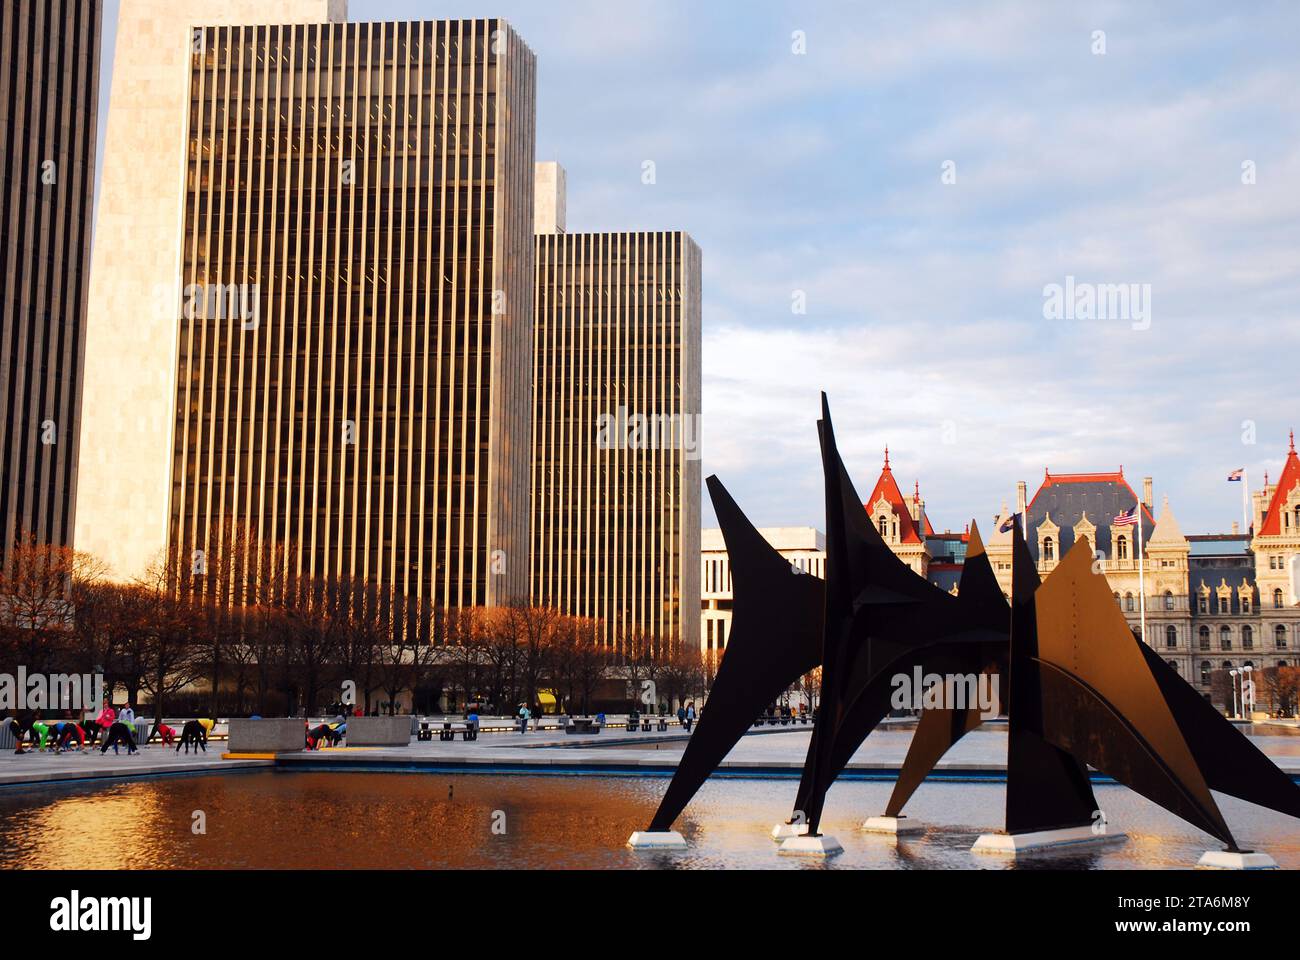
[
  {"x": 1205, "y": 638},
  {"x": 1277, "y": 599},
  {"x": 1171, "y": 636},
  {"x": 1204, "y": 603},
  {"x": 1225, "y": 638},
  {"x": 1205, "y": 672},
  {"x": 1247, "y": 638},
  {"x": 884, "y": 526},
  {"x": 1128, "y": 602},
  {"x": 1173, "y": 665},
  {"x": 1121, "y": 548},
  {"x": 1245, "y": 603},
  {"x": 1049, "y": 549},
  {"x": 1225, "y": 603},
  {"x": 1169, "y": 600},
  {"x": 1279, "y": 636}
]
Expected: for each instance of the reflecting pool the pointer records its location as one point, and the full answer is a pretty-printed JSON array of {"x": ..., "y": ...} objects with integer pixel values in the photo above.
[{"x": 277, "y": 819}]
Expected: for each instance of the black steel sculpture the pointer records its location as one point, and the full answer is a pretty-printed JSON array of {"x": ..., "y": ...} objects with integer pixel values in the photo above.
[
  {"x": 1077, "y": 686},
  {"x": 775, "y": 639}
]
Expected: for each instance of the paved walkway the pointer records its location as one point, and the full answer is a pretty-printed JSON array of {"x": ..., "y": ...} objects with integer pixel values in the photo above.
[{"x": 770, "y": 752}]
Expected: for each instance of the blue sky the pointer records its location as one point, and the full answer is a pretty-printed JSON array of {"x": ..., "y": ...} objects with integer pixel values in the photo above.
[{"x": 822, "y": 173}]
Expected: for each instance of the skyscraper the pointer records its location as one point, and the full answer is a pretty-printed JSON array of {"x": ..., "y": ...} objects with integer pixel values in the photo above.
[
  {"x": 49, "y": 92},
  {"x": 352, "y": 345},
  {"x": 616, "y": 414},
  {"x": 135, "y": 284}
]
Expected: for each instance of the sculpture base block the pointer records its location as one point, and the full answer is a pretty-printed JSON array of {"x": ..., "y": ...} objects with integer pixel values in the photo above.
[
  {"x": 893, "y": 826},
  {"x": 1014, "y": 844},
  {"x": 665, "y": 840},
  {"x": 1242, "y": 860},
  {"x": 805, "y": 846},
  {"x": 784, "y": 831}
]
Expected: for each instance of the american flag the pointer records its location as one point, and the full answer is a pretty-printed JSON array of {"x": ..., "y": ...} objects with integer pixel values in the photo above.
[
  {"x": 1127, "y": 519},
  {"x": 1236, "y": 475}
]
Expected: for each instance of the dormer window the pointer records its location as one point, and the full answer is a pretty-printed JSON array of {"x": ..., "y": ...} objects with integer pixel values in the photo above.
[
  {"x": 1049, "y": 549},
  {"x": 1121, "y": 548},
  {"x": 884, "y": 526}
]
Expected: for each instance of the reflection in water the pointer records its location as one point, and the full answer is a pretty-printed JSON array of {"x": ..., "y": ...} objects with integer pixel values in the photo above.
[{"x": 270, "y": 820}]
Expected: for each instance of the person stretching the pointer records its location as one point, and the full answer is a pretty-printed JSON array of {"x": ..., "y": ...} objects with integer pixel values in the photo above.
[
  {"x": 193, "y": 733},
  {"x": 67, "y": 730},
  {"x": 119, "y": 734},
  {"x": 166, "y": 734}
]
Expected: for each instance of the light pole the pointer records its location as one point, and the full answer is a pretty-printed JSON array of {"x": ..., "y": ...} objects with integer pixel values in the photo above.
[
  {"x": 1247, "y": 691},
  {"x": 1232, "y": 674}
]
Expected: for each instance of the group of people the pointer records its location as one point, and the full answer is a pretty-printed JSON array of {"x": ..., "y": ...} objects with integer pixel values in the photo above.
[
  {"x": 32, "y": 734},
  {"x": 331, "y": 733}
]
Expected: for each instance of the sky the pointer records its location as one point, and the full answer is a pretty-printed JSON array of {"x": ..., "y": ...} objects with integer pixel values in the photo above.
[{"x": 885, "y": 195}]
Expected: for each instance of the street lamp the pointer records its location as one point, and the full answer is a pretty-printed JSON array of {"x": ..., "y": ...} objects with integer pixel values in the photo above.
[
  {"x": 1247, "y": 690},
  {"x": 1233, "y": 675}
]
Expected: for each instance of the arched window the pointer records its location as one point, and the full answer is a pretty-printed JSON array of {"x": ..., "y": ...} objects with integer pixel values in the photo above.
[
  {"x": 1049, "y": 549},
  {"x": 1225, "y": 638},
  {"x": 1173, "y": 665},
  {"x": 1279, "y": 636},
  {"x": 1247, "y": 638},
  {"x": 1205, "y": 672},
  {"x": 1227, "y": 664},
  {"x": 1169, "y": 600},
  {"x": 1117, "y": 600},
  {"x": 1121, "y": 548},
  {"x": 1128, "y": 602},
  {"x": 1277, "y": 599},
  {"x": 884, "y": 526},
  {"x": 1171, "y": 636},
  {"x": 1205, "y": 638}
]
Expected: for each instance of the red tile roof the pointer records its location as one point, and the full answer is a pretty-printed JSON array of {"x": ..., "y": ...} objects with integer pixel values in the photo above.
[
  {"x": 887, "y": 487},
  {"x": 1272, "y": 525}
]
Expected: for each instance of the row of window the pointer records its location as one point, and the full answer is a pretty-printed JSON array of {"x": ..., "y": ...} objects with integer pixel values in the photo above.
[
  {"x": 1222, "y": 602},
  {"x": 1280, "y": 639}
]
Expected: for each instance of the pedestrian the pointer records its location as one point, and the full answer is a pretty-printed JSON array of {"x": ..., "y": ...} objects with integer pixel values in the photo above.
[
  {"x": 127, "y": 716},
  {"x": 681, "y": 717},
  {"x": 524, "y": 715},
  {"x": 690, "y": 716},
  {"x": 107, "y": 717}
]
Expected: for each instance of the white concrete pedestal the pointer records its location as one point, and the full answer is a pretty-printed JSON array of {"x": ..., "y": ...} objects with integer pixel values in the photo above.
[
  {"x": 893, "y": 826},
  {"x": 784, "y": 831},
  {"x": 1014, "y": 844},
  {"x": 805, "y": 846},
  {"x": 1228, "y": 860},
  {"x": 665, "y": 840}
]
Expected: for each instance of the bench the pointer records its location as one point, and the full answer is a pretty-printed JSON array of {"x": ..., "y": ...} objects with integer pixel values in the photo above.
[
  {"x": 581, "y": 725},
  {"x": 446, "y": 733},
  {"x": 470, "y": 732}
]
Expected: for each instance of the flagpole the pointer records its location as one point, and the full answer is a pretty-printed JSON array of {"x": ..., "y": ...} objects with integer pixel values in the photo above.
[
  {"x": 1142, "y": 583},
  {"x": 1245, "y": 502}
]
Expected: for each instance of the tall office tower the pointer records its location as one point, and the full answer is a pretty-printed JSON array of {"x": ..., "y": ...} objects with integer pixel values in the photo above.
[
  {"x": 355, "y": 343},
  {"x": 616, "y": 415},
  {"x": 49, "y": 92},
  {"x": 135, "y": 280}
]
